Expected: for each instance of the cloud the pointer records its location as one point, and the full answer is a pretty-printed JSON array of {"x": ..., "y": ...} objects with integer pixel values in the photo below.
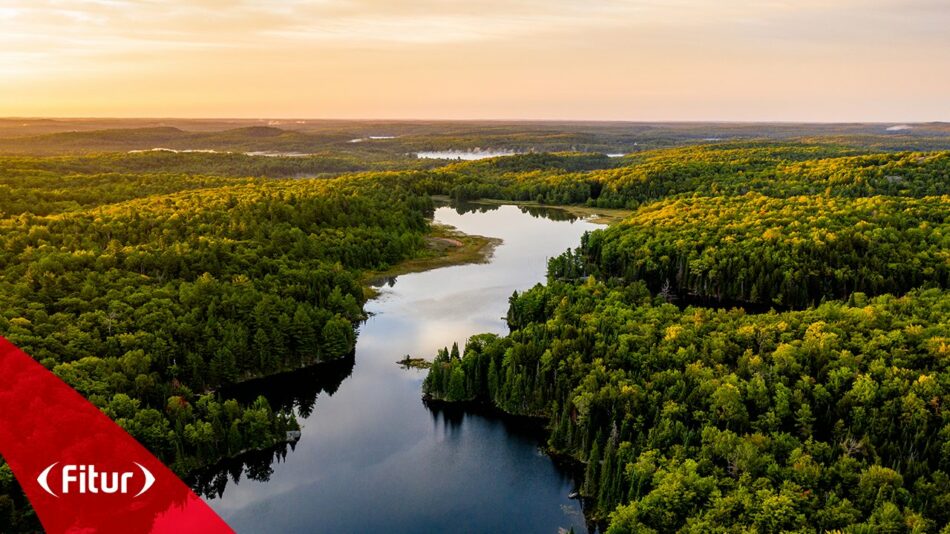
[
  {"x": 94, "y": 25},
  {"x": 521, "y": 56}
]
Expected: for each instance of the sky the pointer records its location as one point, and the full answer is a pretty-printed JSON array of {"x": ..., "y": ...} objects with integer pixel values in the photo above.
[{"x": 737, "y": 60}]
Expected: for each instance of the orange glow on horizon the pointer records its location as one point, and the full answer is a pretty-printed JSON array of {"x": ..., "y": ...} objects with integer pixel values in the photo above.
[{"x": 806, "y": 60}]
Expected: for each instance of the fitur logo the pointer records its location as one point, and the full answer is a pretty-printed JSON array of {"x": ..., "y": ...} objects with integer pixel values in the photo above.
[{"x": 85, "y": 479}]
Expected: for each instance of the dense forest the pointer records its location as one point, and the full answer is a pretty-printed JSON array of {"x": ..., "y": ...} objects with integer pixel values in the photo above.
[
  {"x": 724, "y": 169},
  {"x": 156, "y": 282},
  {"x": 826, "y": 415},
  {"x": 709, "y": 420},
  {"x": 787, "y": 251},
  {"x": 148, "y": 293}
]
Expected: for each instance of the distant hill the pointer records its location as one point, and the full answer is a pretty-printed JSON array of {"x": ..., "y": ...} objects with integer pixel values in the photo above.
[{"x": 399, "y": 138}]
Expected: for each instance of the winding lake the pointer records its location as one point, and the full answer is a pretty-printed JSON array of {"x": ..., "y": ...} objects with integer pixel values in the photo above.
[{"x": 373, "y": 457}]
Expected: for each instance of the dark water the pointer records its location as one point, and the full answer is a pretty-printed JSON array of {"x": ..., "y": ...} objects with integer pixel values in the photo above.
[{"x": 373, "y": 457}]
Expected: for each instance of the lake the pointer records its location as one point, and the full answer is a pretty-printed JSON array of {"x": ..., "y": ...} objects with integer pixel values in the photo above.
[
  {"x": 467, "y": 155},
  {"x": 373, "y": 457}
]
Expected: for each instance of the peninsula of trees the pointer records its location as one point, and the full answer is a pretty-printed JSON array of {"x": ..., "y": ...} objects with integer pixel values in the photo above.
[{"x": 693, "y": 413}]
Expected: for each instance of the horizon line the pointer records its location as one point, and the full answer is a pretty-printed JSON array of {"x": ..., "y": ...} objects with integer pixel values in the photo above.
[{"x": 473, "y": 120}]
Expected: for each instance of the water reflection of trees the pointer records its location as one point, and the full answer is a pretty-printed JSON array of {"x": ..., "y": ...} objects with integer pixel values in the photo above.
[
  {"x": 533, "y": 430},
  {"x": 553, "y": 214},
  {"x": 538, "y": 212},
  {"x": 254, "y": 465},
  {"x": 462, "y": 207},
  {"x": 452, "y": 415},
  {"x": 298, "y": 391}
]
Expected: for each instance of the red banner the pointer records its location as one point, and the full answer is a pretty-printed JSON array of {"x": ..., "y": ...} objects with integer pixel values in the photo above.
[{"x": 80, "y": 470}]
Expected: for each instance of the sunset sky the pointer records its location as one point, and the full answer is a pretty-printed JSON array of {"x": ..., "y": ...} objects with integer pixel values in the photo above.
[{"x": 795, "y": 60}]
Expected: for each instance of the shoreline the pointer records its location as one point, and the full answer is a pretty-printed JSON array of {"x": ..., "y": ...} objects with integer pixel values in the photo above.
[
  {"x": 446, "y": 246},
  {"x": 608, "y": 216},
  {"x": 538, "y": 425}
]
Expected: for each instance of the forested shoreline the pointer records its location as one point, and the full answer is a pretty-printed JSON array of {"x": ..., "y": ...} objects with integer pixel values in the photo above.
[
  {"x": 149, "y": 292},
  {"x": 150, "y": 282},
  {"x": 826, "y": 417}
]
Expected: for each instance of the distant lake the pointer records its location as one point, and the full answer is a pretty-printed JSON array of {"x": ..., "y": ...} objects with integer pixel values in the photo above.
[
  {"x": 372, "y": 138},
  {"x": 275, "y": 154},
  {"x": 267, "y": 153},
  {"x": 176, "y": 151},
  {"x": 467, "y": 155}
]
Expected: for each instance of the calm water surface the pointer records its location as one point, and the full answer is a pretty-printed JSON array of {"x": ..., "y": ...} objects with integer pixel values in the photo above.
[
  {"x": 467, "y": 155},
  {"x": 373, "y": 457}
]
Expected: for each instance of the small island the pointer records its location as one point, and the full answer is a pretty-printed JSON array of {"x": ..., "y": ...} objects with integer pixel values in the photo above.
[{"x": 414, "y": 363}]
